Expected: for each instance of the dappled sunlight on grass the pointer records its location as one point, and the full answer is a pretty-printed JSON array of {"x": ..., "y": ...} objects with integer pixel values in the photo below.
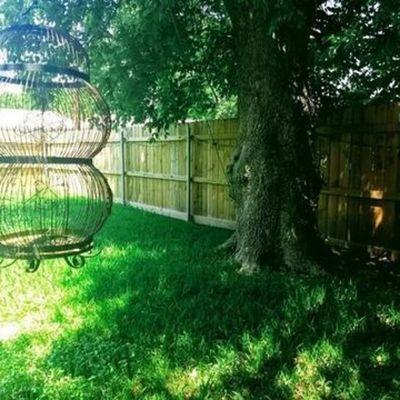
[
  {"x": 9, "y": 330},
  {"x": 321, "y": 372},
  {"x": 28, "y": 302},
  {"x": 160, "y": 315},
  {"x": 389, "y": 315}
]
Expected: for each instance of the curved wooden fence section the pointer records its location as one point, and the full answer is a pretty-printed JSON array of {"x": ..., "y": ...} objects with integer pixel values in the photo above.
[{"x": 182, "y": 174}]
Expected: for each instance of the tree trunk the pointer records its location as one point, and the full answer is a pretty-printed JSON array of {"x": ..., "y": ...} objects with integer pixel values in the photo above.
[{"x": 272, "y": 178}]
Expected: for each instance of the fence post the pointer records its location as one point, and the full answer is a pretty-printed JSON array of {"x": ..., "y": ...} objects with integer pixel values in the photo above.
[
  {"x": 188, "y": 173},
  {"x": 123, "y": 170}
]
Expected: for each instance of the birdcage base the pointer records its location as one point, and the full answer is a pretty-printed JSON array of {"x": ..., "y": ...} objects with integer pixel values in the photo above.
[{"x": 40, "y": 245}]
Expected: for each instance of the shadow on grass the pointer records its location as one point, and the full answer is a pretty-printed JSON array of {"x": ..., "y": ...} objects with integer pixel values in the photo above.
[{"x": 167, "y": 318}]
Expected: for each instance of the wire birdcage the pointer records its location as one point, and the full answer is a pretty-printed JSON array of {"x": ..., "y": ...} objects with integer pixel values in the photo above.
[{"x": 52, "y": 123}]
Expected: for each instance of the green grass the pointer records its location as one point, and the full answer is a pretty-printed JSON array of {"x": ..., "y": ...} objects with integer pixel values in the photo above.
[{"x": 160, "y": 315}]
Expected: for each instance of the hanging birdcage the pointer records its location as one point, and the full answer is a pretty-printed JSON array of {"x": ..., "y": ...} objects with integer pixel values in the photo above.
[{"x": 52, "y": 123}]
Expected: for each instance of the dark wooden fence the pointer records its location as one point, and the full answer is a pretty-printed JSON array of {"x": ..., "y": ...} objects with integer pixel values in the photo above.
[{"x": 359, "y": 159}]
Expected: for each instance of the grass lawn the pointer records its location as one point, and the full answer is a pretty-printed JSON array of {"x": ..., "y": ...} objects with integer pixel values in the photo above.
[{"x": 160, "y": 315}]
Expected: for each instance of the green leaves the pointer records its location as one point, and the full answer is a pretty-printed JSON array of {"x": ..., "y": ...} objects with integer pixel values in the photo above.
[
  {"x": 162, "y": 61},
  {"x": 357, "y": 52}
]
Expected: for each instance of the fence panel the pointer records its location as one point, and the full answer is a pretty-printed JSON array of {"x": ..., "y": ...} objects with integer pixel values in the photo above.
[
  {"x": 359, "y": 153},
  {"x": 213, "y": 144}
]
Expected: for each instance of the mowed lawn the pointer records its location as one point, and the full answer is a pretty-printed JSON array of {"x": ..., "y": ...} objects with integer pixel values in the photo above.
[{"x": 161, "y": 315}]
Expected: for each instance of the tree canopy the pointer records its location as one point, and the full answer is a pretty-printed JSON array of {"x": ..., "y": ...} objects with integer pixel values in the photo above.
[
  {"x": 168, "y": 60},
  {"x": 357, "y": 52}
]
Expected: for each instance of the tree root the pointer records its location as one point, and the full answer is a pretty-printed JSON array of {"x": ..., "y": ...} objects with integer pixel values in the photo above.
[
  {"x": 249, "y": 268},
  {"x": 229, "y": 245},
  {"x": 248, "y": 265}
]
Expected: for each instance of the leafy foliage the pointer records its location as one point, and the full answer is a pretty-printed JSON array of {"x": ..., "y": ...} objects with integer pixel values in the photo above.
[
  {"x": 152, "y": 60},
  {"x": 169, "y": 60},
  {"x": 357, "y": 52}
]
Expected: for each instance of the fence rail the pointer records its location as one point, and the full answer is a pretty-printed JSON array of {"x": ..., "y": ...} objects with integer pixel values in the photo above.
[{"x": 182, "y": 175}]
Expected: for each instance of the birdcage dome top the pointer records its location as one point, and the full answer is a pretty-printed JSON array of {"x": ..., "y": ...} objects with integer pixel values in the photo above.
[
  {"x": 48, "y": 108},
  {"x": 37, "y": 55}
]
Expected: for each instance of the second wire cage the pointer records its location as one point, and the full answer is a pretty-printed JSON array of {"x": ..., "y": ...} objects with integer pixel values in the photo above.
[{"x": 52, "y": 123}]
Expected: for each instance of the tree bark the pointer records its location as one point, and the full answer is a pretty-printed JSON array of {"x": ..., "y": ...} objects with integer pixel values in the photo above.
[{"x": 272, "y": 178}]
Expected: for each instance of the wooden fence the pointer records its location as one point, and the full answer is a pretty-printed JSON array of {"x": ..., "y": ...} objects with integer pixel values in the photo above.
[
  {"x": 182, "y": 175},
  {"x": 359, "y": 154}
]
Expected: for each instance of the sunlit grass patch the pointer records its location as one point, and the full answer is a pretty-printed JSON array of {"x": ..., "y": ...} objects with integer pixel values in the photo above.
[
  {"x": 160, "y": 315},
  {"x": 389, "y": 315},
  {"x": 321, "y": 372}
]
